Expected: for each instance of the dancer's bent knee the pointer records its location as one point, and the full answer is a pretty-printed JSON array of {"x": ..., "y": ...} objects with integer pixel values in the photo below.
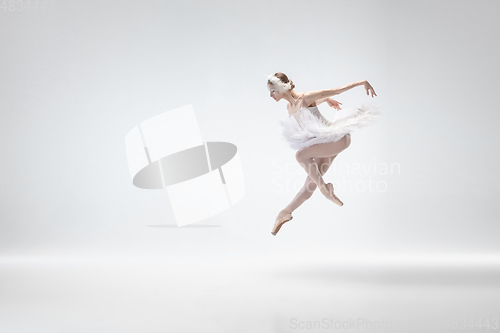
[{"x": 348, "y": 141}]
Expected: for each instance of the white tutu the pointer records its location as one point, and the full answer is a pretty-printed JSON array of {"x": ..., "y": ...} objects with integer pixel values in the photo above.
[{"x": 314, "y": 128}]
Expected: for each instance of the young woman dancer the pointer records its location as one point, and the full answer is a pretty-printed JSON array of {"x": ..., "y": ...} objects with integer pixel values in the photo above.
[{"x": 317, "y": 140}]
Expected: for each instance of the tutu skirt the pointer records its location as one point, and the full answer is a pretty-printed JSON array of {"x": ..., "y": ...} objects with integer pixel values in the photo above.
[{"x": 313, "y": 128}]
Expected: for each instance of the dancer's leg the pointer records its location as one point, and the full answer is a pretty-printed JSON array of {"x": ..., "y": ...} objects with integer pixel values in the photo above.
[
  {"x": 306, "y": 156},
  {"x": 309, "y": 187}
]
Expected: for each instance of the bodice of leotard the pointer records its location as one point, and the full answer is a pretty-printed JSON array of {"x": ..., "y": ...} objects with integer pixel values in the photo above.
[
  {"x": 315, "y": 111},
  {"x": 296, "y": 109}
]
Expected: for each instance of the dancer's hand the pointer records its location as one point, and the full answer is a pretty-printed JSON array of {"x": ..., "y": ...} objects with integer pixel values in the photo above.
[
  {"x": 369, "y": 88},
  {"x": 333, "y": 103}
]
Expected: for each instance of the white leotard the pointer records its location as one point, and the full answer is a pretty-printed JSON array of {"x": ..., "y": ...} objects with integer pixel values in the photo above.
[{"x": 308, "y": 126}]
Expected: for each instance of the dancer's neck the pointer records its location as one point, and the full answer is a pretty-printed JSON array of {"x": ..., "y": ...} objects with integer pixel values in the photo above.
[{"x": 292, "y": 96}]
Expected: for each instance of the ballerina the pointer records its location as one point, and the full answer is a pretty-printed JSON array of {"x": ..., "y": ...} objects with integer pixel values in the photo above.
[{"x": 317, "y": 140}]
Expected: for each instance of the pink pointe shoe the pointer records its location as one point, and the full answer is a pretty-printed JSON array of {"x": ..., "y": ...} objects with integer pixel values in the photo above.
[
  {"x": 279, "y": 222},
  {"x": 327, "y": 191}
]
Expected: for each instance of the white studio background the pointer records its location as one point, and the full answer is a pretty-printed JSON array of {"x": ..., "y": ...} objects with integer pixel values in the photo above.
[
  {"x": 83, "y": 250},
  {"x": 76, "y": 78}
]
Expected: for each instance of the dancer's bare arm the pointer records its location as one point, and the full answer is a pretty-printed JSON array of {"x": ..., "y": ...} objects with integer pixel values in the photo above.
[
  {"x": 297, "y": 118},
  {"x": 319, "y": 101},
  {"x": 313, "y": 96},
  {"x": 293, "y": 114},
  {"x": 331, "y": 102}
]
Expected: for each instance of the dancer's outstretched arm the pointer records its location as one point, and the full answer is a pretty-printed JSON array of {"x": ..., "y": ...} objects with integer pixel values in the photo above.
[
  {"x": 319, "y": 101},
  {"x": 333, "y": 103},
  {"x": 312, "y": 96}
]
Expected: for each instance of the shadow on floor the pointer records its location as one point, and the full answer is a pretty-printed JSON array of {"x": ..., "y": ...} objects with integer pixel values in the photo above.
[
  {"x": 183, "y": 227},
  {"x": 383, "y": 275}
]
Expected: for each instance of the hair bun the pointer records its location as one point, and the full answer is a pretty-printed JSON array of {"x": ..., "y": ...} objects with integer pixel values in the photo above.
[{"x": 281, "y": 82}]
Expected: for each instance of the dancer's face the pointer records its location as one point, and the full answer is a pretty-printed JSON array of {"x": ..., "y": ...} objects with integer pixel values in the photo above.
[{"x": 273, "y": 92}]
